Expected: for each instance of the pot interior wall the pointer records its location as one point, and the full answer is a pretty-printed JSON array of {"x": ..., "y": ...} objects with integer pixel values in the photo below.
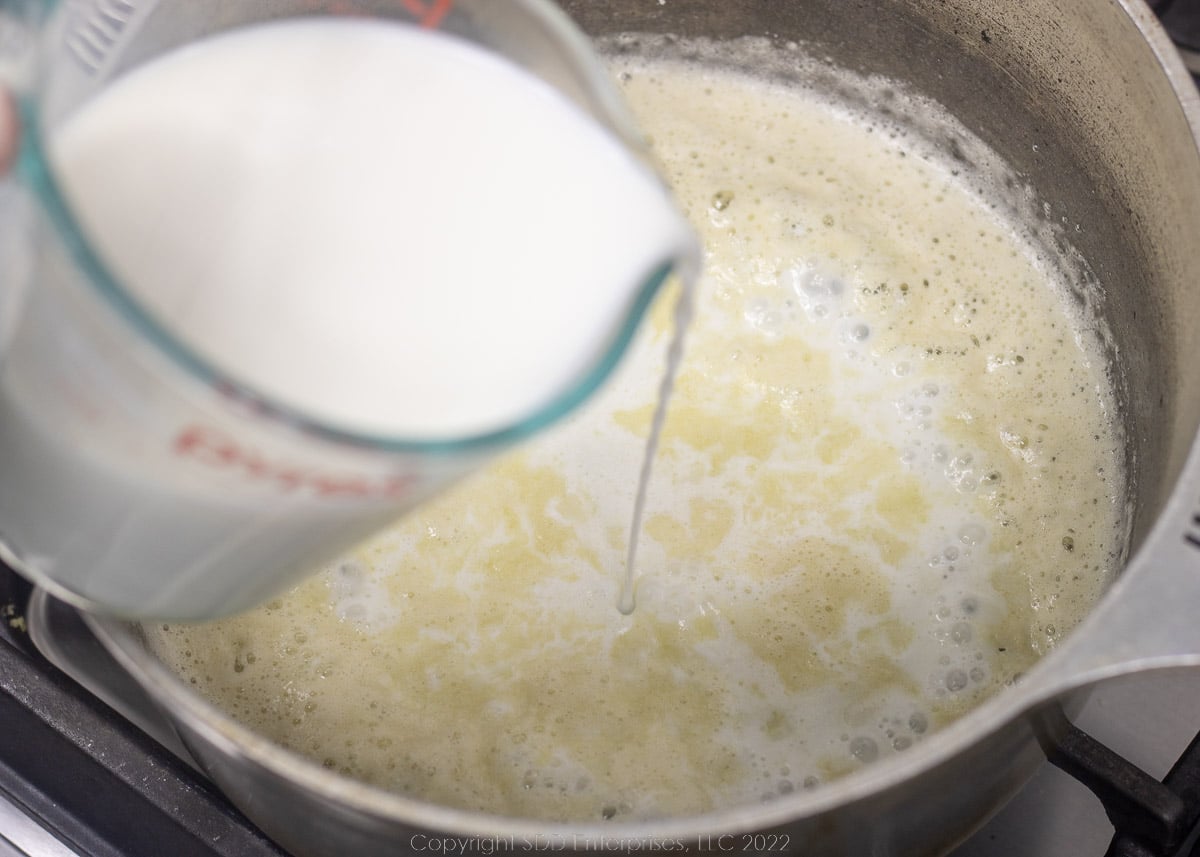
[{"x": 1074, "y": 100}]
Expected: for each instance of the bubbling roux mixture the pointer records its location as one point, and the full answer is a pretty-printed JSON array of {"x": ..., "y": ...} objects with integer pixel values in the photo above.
[{"x": 887, "y": 484}]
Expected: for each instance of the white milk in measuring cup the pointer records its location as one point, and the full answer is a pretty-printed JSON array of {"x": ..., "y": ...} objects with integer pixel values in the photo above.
[{"x": 295, "y": 277}]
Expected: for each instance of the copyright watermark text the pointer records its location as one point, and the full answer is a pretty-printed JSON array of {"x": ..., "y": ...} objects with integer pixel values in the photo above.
[{"x": 453, "y": 846}]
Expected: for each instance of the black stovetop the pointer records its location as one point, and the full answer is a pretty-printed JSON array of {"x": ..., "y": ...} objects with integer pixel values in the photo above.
[{"x": 94, "y": 781}]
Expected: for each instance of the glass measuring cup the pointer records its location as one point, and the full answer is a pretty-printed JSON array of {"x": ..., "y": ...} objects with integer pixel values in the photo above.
[{"x": 140, "y": 477}]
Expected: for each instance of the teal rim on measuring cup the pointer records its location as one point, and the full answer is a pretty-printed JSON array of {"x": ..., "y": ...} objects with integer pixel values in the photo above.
[{"x": 603, "y": 103}]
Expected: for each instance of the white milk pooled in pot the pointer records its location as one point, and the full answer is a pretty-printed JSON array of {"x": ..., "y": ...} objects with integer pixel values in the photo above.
[
  {"x": 888, "y": 483},
  {"x": 304, "y": 203}
]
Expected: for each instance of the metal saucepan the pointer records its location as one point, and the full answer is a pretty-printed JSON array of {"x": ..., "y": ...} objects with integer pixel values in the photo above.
[{"x": 1088, "y": 104}]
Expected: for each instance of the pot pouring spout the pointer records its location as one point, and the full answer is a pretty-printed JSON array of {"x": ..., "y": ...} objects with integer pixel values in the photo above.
[{"x": 1148, "y": 619}]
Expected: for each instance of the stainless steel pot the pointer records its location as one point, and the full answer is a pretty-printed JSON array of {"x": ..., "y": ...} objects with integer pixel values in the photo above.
[{"x": 1089, "y": 104}]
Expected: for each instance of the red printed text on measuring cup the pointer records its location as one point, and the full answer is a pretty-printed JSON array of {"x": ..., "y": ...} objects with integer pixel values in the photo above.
[{"x": 220, "y": 451}]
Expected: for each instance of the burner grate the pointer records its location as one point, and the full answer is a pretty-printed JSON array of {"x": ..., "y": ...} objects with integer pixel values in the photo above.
[{"x": 1151, "y": 818}]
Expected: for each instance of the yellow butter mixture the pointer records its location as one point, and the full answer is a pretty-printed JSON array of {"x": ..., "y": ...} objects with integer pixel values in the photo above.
[{"x": 888, "y": 483}]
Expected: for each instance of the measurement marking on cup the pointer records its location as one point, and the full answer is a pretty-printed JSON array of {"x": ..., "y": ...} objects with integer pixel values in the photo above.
[
  {"x": 91, "y": 36},
  {"x": 429, "y": 14},
  {"x": 218, "y": 451}
]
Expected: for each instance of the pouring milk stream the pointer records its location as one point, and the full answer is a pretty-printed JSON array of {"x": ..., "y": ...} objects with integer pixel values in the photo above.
[{"x": 379, "y": 252}]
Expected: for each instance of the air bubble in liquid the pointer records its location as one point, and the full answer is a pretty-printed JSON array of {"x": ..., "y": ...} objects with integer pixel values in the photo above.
[
  {"x": 956, "y": 680},
  {"x": 816, "y": 291},
  {"x": 762, "y": 316},
  {"x": 858, "y": 333},
  {"x": 864, "y": 749}
]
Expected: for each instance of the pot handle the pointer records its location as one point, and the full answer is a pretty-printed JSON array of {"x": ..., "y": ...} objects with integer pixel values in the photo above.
[{"x": 1150, "y": 618}]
